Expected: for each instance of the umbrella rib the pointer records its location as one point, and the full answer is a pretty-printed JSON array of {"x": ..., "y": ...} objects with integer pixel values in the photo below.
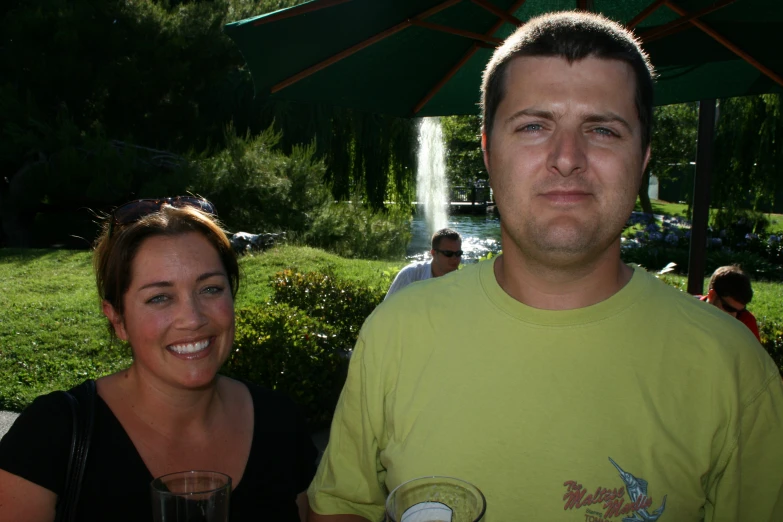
[
  {"x": 458, "y": 32},
  {"x": 361, "y": 45},
  {"x": 475, "y": 47},
  {"x": 650, "y": 9},
  {"x": 728, "y": 44},
  {"x": 438, "y": 86},
  {"x": 508, "y": 17},
  {"x": 675, "y": 26},
  {"x": 299, "y": 10}
]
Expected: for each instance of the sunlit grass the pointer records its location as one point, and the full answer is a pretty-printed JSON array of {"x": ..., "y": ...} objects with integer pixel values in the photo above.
[
  {"x": 53, "y": 336},
  {"x": 681, "y": 210}
]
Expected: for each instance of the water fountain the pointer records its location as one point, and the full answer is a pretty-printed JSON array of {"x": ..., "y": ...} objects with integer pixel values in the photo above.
[
  {"x": 480, "y": 234},
  {"x": 431, "y": 185}
]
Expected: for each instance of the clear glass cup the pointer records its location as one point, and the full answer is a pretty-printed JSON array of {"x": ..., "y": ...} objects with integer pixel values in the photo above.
[
  {"x": 435, "y": 499},
  {"x": 191, "y": 496}
]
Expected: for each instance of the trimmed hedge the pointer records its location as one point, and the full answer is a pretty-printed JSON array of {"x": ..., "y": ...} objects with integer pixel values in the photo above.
[
  {"x": 282, "y": 348},
  {"x": 341, "y": 304},
  {"x": 301, "y": 343}
]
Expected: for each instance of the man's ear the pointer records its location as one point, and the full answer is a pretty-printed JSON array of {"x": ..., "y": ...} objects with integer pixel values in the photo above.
[
  {"x": 646, "y": 158},
  {"x": 711, "y": 295},
  {"x": 115, "y": 319},
  {"x": 485, "y": 154}
]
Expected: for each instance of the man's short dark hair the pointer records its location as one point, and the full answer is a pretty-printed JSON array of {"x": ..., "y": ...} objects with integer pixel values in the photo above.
[
  {"x": 444, "y": 233},
  {"x": 731, "y": 281},
  {"x": 573, "y": 36}
]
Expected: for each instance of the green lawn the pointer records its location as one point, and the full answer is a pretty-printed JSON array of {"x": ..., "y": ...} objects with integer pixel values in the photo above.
[
  {"x": 776, "y": 223},
  {"x": 666, "y": 208},
  {"x": 257, "y": 268},
  {"x": 681, "y": 210},
  {"x": 52, "y": 334}
]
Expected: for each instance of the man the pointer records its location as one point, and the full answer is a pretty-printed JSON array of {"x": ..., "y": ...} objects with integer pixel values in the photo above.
[
  {"x": 564, "y": 384},
  {"x": 445, "y": 255},
  {"x": 730, "y": 291}
]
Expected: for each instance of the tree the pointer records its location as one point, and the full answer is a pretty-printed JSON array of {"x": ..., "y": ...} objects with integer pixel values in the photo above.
[
  {"x": 464, "y": 159},
  {"x": 748, "y": 154},
  {"x": 368, "y": 156},
  {"x": 82, "y": 76},
  {"x": 673, "y": 144}
]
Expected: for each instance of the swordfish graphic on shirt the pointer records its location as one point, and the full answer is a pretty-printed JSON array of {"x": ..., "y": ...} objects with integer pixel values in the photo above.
[{"x": 637, "y": 487}]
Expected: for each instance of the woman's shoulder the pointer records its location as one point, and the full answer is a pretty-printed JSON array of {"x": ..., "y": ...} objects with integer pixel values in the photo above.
[
  {"x": 50, "y": 411},
  {"x": 36, "y": 446}
]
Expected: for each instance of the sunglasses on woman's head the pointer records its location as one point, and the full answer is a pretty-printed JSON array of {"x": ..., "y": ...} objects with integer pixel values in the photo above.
[{"x": 135, "y": 210}]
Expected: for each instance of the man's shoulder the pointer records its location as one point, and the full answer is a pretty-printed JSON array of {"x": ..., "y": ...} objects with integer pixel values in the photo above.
[
  {"x": 416, "y": 266},
  {"x": 682, "y": 308},
  {"x": 437, "y": 291},
  {"x": 424, "y": 303},
  {"x": 705, "y": 325}
]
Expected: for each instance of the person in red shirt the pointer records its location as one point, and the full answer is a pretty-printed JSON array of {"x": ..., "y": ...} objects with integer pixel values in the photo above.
[{"x": 730, "y": 290}]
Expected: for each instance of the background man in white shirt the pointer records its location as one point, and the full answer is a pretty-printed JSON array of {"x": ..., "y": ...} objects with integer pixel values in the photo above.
[{"x": 446, "y": 255}]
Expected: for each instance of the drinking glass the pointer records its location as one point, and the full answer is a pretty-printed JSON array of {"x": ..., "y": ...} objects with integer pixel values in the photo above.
[
  {"x": 191, "y": 496},
  {"x": 435, "y": 499}
]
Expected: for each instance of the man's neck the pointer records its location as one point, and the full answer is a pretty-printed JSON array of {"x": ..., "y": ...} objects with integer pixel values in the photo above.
[{"x": 553, "y": 287}]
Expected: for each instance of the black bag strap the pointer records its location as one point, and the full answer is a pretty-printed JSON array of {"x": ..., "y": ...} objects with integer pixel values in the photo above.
[{"x": 82, "y": 403}]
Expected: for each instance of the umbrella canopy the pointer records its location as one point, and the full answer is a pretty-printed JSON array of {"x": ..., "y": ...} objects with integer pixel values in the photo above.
[{"x": 425, "y": 57}]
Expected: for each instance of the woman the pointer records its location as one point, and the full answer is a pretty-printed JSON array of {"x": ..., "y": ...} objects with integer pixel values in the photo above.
[{"x": 167, "y": 277}]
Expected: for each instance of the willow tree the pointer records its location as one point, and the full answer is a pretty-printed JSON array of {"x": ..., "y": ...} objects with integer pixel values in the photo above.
[
  {"x": 673, "y": 144},
  {"x": 87, "y": 80},
  {"x": 368, "y": 156},
  {"x": 748, "y": 154}
]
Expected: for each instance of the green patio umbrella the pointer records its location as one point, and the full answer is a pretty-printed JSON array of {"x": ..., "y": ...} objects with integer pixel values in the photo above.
[{"x": 425, "y": 57}]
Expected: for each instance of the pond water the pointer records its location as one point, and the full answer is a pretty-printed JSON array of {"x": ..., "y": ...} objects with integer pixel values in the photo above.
[{"x": 480, "y": 235}]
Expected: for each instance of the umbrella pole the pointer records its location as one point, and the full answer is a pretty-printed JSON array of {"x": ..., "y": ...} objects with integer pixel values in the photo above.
[{"x": 701, "y": 196}]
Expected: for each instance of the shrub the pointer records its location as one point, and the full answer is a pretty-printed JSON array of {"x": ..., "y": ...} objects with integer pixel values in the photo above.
[
  {"x": 281, "y": 348},
  {"x": 354, "y": 230},
  {"x": 736, "y": 224},
  {"x": 768, "y": 246},
  {"x": 300, "y": 344},
  {"x": 652, "y": 243},
  {"x": 257, "y": 188},
  {"x": 756, "y": 266},
  {"x": 342, "y": 305},
  {"x": 655, "y": 257}
]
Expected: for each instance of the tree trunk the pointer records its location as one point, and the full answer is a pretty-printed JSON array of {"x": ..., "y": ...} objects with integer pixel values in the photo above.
[{"x": 644, "y": 196}]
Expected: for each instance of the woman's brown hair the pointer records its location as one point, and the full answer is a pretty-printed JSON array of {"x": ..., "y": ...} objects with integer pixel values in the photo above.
[{"x": 117, "y": 246}]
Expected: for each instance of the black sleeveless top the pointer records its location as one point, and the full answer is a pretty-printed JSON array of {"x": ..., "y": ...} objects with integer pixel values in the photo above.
[{"x": 116, "y": 482}]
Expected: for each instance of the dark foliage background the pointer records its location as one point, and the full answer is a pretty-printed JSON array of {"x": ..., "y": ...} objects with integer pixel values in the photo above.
[{"x": 105, "y": 101}]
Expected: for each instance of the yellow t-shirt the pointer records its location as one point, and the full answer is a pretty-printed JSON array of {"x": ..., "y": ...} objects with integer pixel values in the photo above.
[{"x": 645, "y": 406}]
